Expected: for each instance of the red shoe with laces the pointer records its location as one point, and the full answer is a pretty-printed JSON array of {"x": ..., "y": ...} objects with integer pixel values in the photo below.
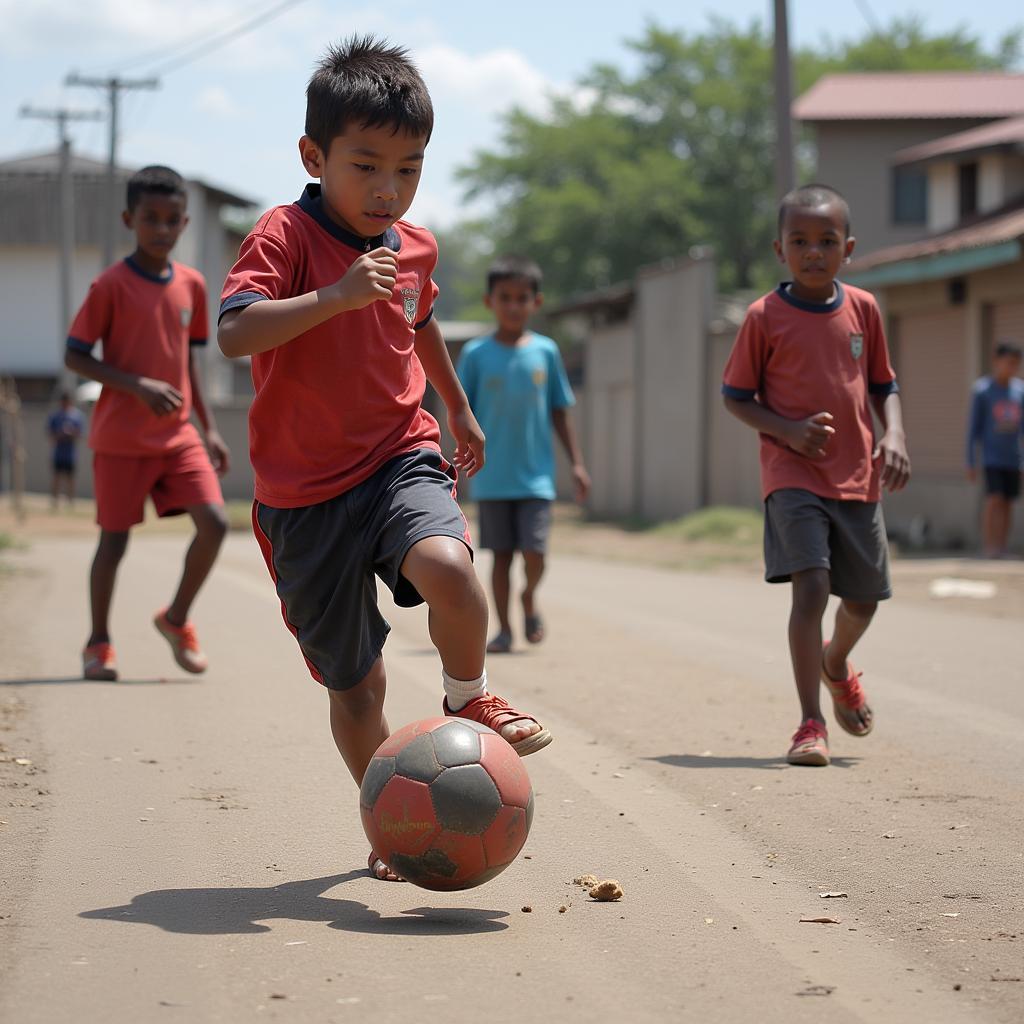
[
  {"x": 849, "y": 702},
  {"x": 810, "y": 744},
  {"x": 496, "y": 712},
  {"x": 184, "y": 643},
  {"x": 99, "y": 663}
]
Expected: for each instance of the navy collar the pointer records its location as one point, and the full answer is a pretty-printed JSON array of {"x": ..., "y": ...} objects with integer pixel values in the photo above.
[
  {"x": 311, "y": 203},
  {"x": 812, "y": 307},
  {"x": 156, "y": 278}
]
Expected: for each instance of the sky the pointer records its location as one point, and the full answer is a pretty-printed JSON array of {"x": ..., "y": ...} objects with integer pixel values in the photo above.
[{"x": 232, "y": 118}]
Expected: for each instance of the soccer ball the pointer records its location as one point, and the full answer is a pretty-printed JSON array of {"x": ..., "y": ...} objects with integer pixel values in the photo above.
[{"x": 446, "y": 803}]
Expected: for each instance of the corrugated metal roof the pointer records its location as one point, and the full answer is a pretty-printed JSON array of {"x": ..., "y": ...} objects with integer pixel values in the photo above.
[
  {"x": 1003, "y": 226},
  {"x": 896, "y": 95},
  {"x": 1008, "y": 132}
]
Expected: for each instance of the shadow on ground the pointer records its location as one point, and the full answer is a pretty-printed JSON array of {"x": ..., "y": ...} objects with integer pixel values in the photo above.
[
  {"x": 238, "y": 911},
  {"x": 67, "y": 680},
  {"x": 710, "y": 761}
]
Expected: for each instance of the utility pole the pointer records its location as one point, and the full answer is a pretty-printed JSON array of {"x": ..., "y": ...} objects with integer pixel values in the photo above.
[
  {"x": 114, "y": 86},
  {"x": 66, "y": 231},
  {"x": 784, "y": 173}
]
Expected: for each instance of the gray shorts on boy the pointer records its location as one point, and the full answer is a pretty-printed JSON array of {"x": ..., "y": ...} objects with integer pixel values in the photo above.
[
  {"x": 805, "y": 531},
  {"x": 516, "y": 524},
  {"x": 325, "y": 559}
]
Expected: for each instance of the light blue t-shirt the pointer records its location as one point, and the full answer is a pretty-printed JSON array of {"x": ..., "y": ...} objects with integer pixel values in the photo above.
[{"x": 513, "y": 391}]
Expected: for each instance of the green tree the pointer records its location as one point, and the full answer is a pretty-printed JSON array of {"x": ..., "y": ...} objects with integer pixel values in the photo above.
[{"x": 641, "y": 166}]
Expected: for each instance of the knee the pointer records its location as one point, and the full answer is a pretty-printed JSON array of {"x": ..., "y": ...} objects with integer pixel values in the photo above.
[
  {"x": 861, "y": 611},
  {"x": 112, "y": 546},
  {"x": 211, "y": 523},
  {"x": 810, "y": 593},
  {"x": 364, "y": 700},
  {"x": 448, "y": 580}
]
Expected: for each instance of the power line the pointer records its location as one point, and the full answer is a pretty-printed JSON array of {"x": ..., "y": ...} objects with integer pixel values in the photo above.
[{"x": 869, "y": 15}]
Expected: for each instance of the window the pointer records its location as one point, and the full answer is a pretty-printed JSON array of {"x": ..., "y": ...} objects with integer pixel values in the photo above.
[
  {"x": 968, "y": 174},
  {"x": 909, "y": 196}
]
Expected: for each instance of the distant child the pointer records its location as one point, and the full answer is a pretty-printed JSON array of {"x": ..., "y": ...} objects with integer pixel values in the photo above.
[
  {"x": 809, "y": 364},
  {"x": 150, "y": 314},
  {"x": 997, "y": 424},
  {"x": 64, "y": 427},
  {"x": 332, "y": 296},
  {"x": 518, "y": 390}
]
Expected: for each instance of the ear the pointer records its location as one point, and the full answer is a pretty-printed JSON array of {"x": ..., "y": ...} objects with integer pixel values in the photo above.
[
  {"x": 184, "y": 221},
  {"x": 848, "y": 251},
  {"x": 487, "y": 301},
  {"x": 538, "y": 300},
  {"x": 126, "y": 219},
  {"x": 777, "y": 246},
  {"x": 312, "y": 157}
]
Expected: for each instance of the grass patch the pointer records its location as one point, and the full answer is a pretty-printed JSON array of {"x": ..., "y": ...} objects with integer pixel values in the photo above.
[
  {"x": 6, "y": 541},
  {"x": 719, "y": 524}
]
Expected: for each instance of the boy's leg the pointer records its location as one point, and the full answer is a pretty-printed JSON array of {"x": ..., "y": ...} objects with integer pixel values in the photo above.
[
  {"x": 852, "y": 621},
  {"x": 497, "y": 534},
  {"x": 533, "y": 525},
  {"x": 501, "y": 586},
  {"x": 533, "y": 563},
  {"x": 1001, "y": 533},
  {"x": 810, "y": 598},
  {"x": 109, "y": 552},
  {"x": 358, "y": 724},
  {"x": 211, "y": 525},
  {"x": 990, "y": 526}
]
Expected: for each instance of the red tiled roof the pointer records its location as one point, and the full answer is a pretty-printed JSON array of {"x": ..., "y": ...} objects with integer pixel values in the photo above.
[
  {"x": 893, "y": 95},
  {"x": 1008, "y": 132},
  {"x": 1004, "y": 226}
]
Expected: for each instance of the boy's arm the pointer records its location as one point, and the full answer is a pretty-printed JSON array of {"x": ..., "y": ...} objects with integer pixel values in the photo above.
[
  {"x": 975, "y": 429},
  {"x": 892, "y": 445},
  {"x": 220, "y": 456},
  {"x": 562, "y": 422},
  {"x": 161, "y": 397},
  {"x": 270, "y": 323},
  {"x": 808, "y": 437},
  {"x": 437, "y": 365}
]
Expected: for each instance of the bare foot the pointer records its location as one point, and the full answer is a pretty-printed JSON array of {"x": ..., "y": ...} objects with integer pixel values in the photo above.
[{"x": 380, "y": 870}]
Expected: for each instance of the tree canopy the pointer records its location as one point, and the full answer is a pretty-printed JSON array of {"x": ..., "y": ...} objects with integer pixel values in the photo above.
[{"x": 642, "y": 165}]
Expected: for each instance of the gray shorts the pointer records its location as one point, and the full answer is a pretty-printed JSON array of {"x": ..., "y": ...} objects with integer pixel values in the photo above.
[
  {"x": 325, "y": 559},
  {"x": 805, "y": 531},
  {"x": 516, "y": 524}
]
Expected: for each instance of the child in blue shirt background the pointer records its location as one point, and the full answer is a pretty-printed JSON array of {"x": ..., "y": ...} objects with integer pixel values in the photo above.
[
  {"x": 518, "y": 390},
  {"x": 996, "y": 423}
]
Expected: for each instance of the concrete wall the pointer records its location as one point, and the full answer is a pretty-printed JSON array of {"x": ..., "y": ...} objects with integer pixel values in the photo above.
[{"x": 856, "y": 158}]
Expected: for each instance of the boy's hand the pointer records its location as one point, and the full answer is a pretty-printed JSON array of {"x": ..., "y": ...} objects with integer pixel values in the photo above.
[
  {"x": 810, "y": 436},
  {"x": 580, "y": 483},
  {"x": 892, "y": 449},
  {"x": 220, "y": 455},
  {"x": 161, "y": 397},
  {"x": 972, "y": 474},
  {"x": 469, "y": 441},
  {"x": 371, "y": 278}
]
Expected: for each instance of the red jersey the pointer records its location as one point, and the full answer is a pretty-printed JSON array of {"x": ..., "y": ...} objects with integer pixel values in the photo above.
[
  {"x": 802, "y": 358},
  {"x": 334, "y": 404},
  {"x": 147, "y": 325}
]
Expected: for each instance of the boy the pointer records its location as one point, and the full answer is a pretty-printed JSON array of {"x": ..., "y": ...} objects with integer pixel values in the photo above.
[
  {"x": 65, "y": 428},
  {"x": 808, "y": 365},
  {"x": 149, "y": 313},
  {"x": 997, "y": 422},
  {"x": 517, "y": 387},
  {"x": 332, "y": 297}
]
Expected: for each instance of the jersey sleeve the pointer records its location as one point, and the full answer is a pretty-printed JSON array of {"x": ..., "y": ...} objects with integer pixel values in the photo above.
[
  {"x": 199, "y": 326},
  {"x": 560, "y": 394},
  {"x": 881, "y": 375},
  {"x": 975, "y": 425},
  {"x": 741, "y": 378},
  {"x": 93, "y": 320},
  {"x": 263, "y": 270}
]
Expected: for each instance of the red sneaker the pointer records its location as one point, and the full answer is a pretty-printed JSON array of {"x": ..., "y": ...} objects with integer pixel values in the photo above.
[
  {"x": 810, "y": 745},
  {"x": 98, "y": 662},
  {"x": 184, "y": 643},
  {"x": 849, "y": 702},
  {"x": 496, "y": 712}
]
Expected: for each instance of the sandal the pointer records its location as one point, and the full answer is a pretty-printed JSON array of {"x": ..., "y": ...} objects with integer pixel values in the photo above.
[
  {"x": 848, "y": 698},
  {"x": 501, "y": 644},
  {"x": 534, "y": 629},
  {"x": 374, "y": 863},
  {"x": 810, "y": 745},
  {"x": 496, "y": 712}
]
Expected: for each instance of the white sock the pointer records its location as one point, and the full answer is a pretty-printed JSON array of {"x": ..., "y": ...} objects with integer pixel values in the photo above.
[{"x": 461, "y": 691}]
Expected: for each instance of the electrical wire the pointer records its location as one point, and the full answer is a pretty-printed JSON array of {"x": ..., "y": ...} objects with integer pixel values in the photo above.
[{"x": 869, "y": 15}]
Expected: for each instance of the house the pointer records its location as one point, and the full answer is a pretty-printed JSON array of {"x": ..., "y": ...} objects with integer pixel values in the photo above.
[
  {"x": 32, "y": 344},
  {"x": 861, "y": 120}
]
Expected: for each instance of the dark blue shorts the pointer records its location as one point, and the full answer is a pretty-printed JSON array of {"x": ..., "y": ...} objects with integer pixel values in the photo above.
[
  {"x": 325, "y": 559},
  {"x": 1003, "y": 482}
]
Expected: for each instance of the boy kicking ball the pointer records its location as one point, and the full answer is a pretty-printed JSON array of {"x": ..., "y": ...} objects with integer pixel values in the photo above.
[{"x": 808, "y": 366}]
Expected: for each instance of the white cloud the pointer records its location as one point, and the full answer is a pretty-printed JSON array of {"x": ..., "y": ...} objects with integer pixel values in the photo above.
[{"x": 216, "y": 101}]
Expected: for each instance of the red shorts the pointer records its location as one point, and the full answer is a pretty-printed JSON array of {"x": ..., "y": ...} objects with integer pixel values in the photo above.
[{"x": 175, "y": 481}]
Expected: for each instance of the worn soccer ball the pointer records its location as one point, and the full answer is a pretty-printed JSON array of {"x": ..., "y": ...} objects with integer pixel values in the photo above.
[{"x": 446, "y": 803}]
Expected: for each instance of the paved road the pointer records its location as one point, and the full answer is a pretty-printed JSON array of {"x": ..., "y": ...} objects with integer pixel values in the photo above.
[{"x": 190, "y": 851}]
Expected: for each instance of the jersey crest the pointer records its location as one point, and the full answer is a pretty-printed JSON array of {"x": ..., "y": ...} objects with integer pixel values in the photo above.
[
  {"x": 410, "y": 303},
  {"x": 856, "y": 345},
  {"x": 186, "y": 316}
]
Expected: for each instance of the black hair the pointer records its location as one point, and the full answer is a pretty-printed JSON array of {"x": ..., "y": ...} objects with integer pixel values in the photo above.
[
  {"x": 365, "y": 81},
  {"x": 1008, "y": 348},
  {"x": 813, "y": 197},
  {"x": 155, "y": 180},
  {"x": 514, "y": 268}
]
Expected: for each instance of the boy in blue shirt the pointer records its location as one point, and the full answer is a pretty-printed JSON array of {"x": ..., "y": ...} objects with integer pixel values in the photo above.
[
  {"x": 65, "y": 428},
  {"x": 996, "y": 423},
  {"x": 518, "y": 390}
]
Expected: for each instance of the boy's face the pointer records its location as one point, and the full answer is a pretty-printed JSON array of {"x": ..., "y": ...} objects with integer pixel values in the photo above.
[
  {"x": 1006, "y": 367},
  {"x": 368, "y": 176},
  {"x": 813, "y": 244},
  {"x": 158, "y": 221},
  {"x": 512, "y": 301}
]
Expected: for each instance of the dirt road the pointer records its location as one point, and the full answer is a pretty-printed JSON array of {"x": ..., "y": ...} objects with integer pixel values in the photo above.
[{"x": 181, "y": 850}]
